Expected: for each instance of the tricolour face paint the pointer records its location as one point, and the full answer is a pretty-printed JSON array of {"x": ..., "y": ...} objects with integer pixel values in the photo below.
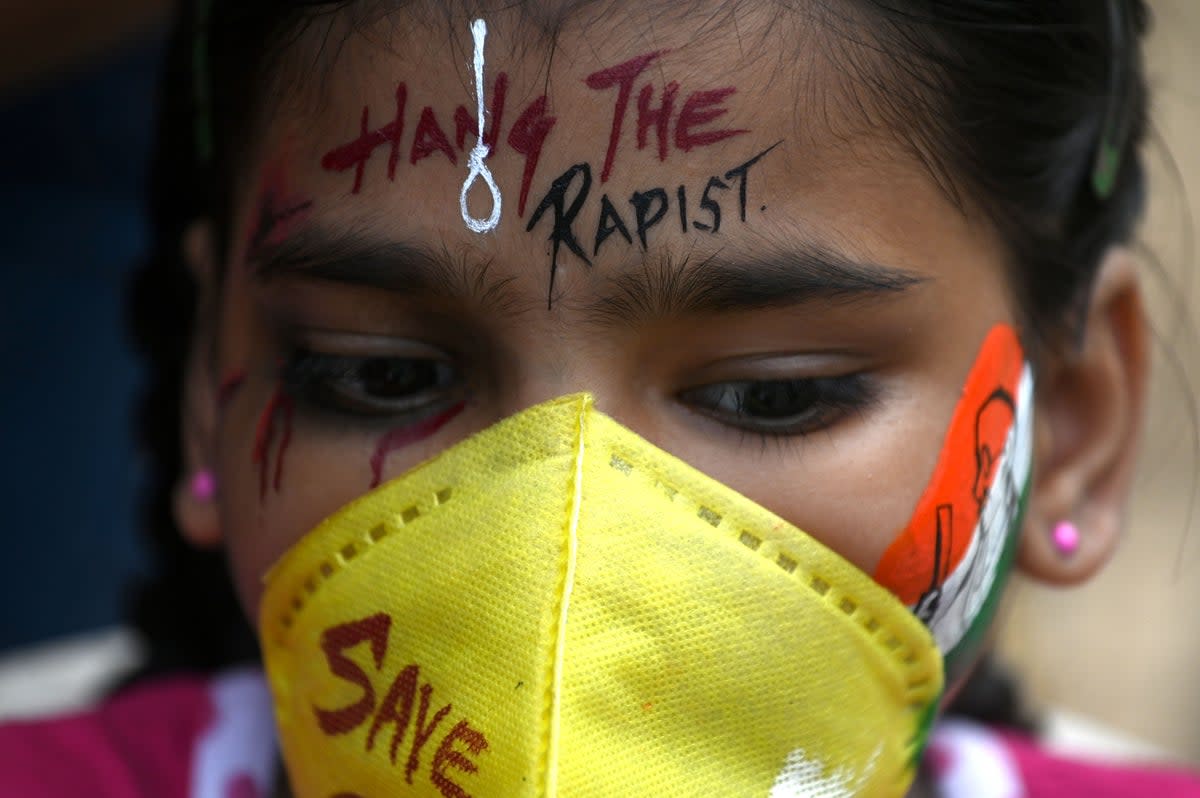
[{"x": 951, "y": 561}]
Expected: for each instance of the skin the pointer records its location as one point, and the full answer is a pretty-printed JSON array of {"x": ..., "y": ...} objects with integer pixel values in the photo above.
[{"x": 836, "y": 179}]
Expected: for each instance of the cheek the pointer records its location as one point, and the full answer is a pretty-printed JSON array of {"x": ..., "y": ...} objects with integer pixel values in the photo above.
[
  {"x": 279, "y": 478},
  {"x": 283, "y": 473},
  {"x": 854, "y": 489}
]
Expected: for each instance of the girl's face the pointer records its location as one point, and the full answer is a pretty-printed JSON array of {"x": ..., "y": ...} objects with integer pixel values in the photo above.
[{"x": 703, "y": 224}]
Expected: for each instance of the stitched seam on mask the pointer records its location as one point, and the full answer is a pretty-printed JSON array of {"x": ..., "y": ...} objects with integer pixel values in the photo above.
[
  {"x": 554, "y": 721},
  {"x": 883, "y": 637},
  {"x": 342, "y": 555},
  {"x": 916, "y": 683}
]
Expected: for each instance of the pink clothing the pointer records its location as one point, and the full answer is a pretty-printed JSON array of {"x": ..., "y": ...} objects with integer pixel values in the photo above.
[
  {"x": 179, "y": 738},
  {"x": 973, "y": 761},
  {"x": 214, "y": 738}
]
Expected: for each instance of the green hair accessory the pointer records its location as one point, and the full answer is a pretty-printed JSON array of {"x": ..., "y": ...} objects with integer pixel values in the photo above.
[{"x": 1117, "y": 121}]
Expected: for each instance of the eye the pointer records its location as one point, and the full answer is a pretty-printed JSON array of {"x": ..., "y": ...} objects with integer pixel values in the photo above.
[
  {"x": 782, "y": 407},
  {"x": 374, "y": 386}
]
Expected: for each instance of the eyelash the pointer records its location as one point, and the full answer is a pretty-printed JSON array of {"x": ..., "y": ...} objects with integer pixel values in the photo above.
[
  {"x": 334, "y": 384},
  {"x": 339, "y": 384},
  {"x": 823, "y": 401}
]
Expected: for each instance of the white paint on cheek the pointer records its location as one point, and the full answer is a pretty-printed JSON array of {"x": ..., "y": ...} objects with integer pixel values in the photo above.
[
  {"x": 968, "y": 587},
  {"x": 803, "y": 777},
  {"x": 479, "y": 169}
]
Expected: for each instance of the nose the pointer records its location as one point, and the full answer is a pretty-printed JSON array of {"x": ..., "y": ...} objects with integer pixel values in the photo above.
[{"x": 611, "y": 373}]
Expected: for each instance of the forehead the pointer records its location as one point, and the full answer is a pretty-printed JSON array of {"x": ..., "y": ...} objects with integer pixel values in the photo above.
[{"x": 618, "y": 135}]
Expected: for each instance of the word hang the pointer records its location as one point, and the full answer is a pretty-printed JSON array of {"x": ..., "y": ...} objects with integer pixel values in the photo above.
[{"x": 526, "y": 137}]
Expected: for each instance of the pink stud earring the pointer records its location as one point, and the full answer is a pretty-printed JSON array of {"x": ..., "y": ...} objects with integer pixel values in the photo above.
[
  {"x": 203, "y": 485},
  {"x": 1066, "y": 538}
]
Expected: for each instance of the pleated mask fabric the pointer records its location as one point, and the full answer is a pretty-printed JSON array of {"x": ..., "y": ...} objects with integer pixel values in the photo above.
[{"x": 556, "y": 607}]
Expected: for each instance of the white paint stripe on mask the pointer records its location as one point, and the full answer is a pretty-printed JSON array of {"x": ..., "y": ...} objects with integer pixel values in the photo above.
[
  {"x": 479, "y": 169},
  {"x": 966, "y": 589}
]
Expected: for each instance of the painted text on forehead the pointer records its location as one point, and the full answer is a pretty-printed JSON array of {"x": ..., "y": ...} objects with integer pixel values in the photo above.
[
  {"x": 636, "y": 104},
  {"x": 603, "y": 157}
]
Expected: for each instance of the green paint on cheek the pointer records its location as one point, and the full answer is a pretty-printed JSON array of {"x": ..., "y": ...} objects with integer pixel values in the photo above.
[{"x": 964, "y": 654}]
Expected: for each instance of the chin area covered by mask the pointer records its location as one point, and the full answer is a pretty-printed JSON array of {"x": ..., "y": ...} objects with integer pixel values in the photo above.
[{"x": 555, "y": 607}]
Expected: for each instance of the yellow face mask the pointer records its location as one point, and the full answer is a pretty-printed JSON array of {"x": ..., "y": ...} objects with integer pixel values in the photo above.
[{"x": 555, "y": 607}]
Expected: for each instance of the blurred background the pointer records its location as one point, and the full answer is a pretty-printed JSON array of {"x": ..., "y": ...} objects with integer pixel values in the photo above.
[
  {"x": 1115, "y": 662},
  {"x": 1124, "y": 649},
  {"x": 77, "y": 108}
]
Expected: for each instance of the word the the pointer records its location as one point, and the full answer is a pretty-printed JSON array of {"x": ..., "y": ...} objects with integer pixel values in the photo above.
[
  {"x": 405, "y": 692},
  {"x": 700, "y": 108}
]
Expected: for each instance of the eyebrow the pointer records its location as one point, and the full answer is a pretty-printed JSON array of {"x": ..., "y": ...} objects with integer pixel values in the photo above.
[
  {"x": 354, "y": 259},
  {"x": 730, "y": 282},
  {"x": 659, "y": 286},
  {"x": 403, "y": 267}
]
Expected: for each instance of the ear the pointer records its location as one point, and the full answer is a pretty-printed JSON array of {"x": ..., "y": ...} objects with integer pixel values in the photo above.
[
  {"x": 1088, "y": 425},
  {"x": 195, "y": 512}
]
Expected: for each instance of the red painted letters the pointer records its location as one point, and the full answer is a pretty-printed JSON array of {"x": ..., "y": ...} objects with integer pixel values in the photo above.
[
  {"x": 429, "y": 137},
  {"x": 658, "y": 118},
  {"x": 685, "y": 126},
  {"x": 448, "y": 757},
  {"x": 622, "y": 76},
  {"x": 699, "y": 109},
  {"x": 404, "y": 695},
  {"x": 335, "y": 642},
  {"x": 356, "y": 153},
  {"x": 526, "y": 138}
]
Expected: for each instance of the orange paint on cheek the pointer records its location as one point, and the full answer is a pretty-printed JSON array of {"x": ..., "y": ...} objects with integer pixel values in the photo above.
[{"x": 937, "y": 537}]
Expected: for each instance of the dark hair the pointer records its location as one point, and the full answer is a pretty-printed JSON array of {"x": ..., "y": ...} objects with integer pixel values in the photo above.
[{"x": 1009, "y": 103}]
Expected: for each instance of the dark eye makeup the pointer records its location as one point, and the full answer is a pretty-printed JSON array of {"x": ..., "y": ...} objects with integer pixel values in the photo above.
[
  {"x": 783, "y": 407},
  {"x": 399, "y": 389},
  {"x": 371, "y": 387}
]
